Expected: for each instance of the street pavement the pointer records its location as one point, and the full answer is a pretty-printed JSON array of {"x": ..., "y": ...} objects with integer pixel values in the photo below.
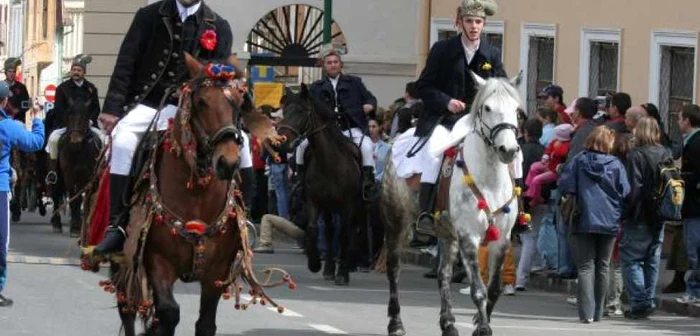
[{"x": 54, "y": 297}]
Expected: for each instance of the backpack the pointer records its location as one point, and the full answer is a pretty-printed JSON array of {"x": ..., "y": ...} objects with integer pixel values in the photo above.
[{"x": 669, "y": 193}]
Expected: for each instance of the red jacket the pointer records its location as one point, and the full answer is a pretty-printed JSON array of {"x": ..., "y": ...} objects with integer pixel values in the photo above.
[
  {"x": 557, "y": 151},
  {"x": 258, "y": 162},
  {"x": 563, "y": 116}
]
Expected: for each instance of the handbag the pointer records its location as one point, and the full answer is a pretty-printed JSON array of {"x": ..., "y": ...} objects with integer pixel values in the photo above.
[{"x": 570, "y": 208}]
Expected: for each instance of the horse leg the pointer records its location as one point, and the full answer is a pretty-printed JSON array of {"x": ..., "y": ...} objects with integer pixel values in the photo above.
[
  {"x": 313, "y": 258},
  {"x": 208, "y": 303},
  {"x": 163, "y": 276},
  {"x": 497, "y": 252},
  {"x": 56, "y": 216},
  {"x": 128, "y": 318},
  {"x": 348, "y": 233},
  {"x": 468, "y": 249},
  {"x": 75, "y": 216},
  {"x": 393, "y": 266},
  {"x": 329, "y": 266},
  {"x": 447, "y": 319}
]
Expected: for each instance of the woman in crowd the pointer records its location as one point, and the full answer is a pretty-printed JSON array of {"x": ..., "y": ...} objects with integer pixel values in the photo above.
[
  {"x": 599, "y": 182},
  {"x": 642, "y": 234}
]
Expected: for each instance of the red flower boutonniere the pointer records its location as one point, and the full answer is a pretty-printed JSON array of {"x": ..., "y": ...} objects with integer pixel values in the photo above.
[{"x": 208, "y": 40}]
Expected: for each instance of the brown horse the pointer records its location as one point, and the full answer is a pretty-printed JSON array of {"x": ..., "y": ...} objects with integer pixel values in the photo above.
[{"x": 186, "y": 221}]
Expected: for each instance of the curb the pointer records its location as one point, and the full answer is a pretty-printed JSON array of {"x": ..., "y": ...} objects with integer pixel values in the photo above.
[{"x": 542, "y": 281}]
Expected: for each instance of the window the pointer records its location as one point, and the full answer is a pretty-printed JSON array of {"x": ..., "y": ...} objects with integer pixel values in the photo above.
[
  {"x": 600, "y": 61},
  {"x": 672, "y": 74},
  {"x": 537, "y": 56}
]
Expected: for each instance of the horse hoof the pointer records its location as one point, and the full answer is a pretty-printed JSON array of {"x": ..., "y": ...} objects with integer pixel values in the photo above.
[
  {"x": 341, "y": 280},
  {"x": 396, "y": 328},
  {"x": 15, "y": 218},
  {"x": 328, "y": 277},
  {"x": 57, "y": 230},
  {"x": 483, "y": 330},
  {"x": 450, "y": 331},
  {"x": 314, "y": 265},
  {"x": 75, "y": 234}
]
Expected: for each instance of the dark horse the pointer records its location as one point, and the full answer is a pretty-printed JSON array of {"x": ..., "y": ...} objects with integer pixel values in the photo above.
[
  {"x": 78, "y": 153},
  {"x": 333, "y": 182},
  {"x": 29, "y": 188},
  {"x": 186, "y": 218}
]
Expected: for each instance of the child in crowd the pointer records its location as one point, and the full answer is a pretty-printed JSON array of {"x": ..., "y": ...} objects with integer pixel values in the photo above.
[{"x": 545, "y": 170}]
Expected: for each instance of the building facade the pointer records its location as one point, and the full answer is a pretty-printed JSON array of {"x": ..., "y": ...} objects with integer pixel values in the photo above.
[
  {"x": 591, "y": 48},
  {"x": 381, "y": 48}
]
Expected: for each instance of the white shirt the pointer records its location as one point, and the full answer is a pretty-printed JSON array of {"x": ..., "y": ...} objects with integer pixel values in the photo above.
[
  {"x": 79, "y": 84},
  {"x": 334, "y": 82},
  {"x": 185, "y": 12},
  {"x": 469, "y": 53}
]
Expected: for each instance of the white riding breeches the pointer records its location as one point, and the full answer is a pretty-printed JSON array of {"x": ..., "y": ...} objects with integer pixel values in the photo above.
[
  {"x": 358, "y": 138},
  {"x": 130, "y": 129},
  {"x": 52, "y": 142}
]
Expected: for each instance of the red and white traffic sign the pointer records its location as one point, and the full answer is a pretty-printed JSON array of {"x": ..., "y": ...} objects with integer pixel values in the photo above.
[{"x": 50, "y": 93}]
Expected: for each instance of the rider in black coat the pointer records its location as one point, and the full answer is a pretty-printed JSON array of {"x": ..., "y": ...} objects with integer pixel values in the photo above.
[
  {"x": 19, "y": 102},
  {"x": 447, "y": 88},
  {"x": 151, "y": 60}
]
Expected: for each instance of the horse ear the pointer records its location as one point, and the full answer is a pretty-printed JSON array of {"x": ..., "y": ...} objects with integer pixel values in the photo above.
[
  {"x": 304, "y": 91},
  {"x": 517, "y": 80},
  {"x": 233, "y": 60},
  {"x": 479, "y": 81},
  {"x": 193, "y": 65}
]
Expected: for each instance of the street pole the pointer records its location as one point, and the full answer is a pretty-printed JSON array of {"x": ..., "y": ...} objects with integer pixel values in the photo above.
[{"x": 327, "y": 20}]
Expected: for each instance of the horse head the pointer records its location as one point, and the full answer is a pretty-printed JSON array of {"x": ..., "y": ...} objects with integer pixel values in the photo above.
[
  {"x": 208, "y": 122},
  {"x": 494, "y": 115},
  {"x": 78, "y": 121},
  {"x": 298, "y": 121}
]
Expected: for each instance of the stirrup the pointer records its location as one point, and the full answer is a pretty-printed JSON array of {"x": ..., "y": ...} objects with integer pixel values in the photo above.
[
  {"x": 51, "y": 178},
  {"x": 422, "y": 230}
]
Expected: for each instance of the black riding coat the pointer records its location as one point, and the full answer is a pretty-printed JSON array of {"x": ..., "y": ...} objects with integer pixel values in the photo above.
[
  {"x": 445, "y": 77},
  {"x": 19, "y": 102},
  {"x": 69, "y": 93},
  {"x": 352, "y": 95},
  {"x": 151, "y": 57},
  {"x": 690, "y": 168}
]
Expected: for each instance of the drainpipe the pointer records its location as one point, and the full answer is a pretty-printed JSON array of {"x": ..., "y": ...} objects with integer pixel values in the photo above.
[
  {"x": 59, "y": 42},
  {"x": 327, "y": 20}
]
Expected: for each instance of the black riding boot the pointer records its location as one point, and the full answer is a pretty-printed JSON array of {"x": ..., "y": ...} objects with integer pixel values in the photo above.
[
  {"x": 298, "y": 181},
  {"x": 370, "y": 188},
  {"x": 425, "y": 222},
  {"x": 115, "y": 236},
  {"x": 247, "y": 186}
]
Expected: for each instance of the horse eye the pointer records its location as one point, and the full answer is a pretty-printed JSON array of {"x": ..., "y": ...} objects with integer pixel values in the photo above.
[{"x": 487, "y": 108}]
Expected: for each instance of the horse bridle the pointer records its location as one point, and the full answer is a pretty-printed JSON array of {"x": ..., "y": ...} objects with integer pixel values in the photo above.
[
  {"x": 482, "y": 128},
  {"x": 204, "y": 140},
  {"x": 309, "y": 126}
]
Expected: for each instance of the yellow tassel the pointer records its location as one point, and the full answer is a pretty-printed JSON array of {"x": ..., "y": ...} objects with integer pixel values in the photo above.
[
  {"x": 436, "y": 215},
  {"x": 468, "y": 179},
  {"x": 527, "y": 217},
  {"x": 518, "y": 191}
]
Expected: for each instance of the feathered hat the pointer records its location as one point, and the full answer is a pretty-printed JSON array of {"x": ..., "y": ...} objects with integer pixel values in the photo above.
[
  {"x": 82, "y": 61},
  {"x": 481, "y": 8},
  {"x": 12, "y": 63}
]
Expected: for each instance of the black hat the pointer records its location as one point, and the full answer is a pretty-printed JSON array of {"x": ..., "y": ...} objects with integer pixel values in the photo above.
[{"x": 551, "y": 91}]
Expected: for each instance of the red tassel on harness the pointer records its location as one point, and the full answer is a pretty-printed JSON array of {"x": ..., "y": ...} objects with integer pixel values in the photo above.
[
  {"x": 492, "y": 233},
  {"x": 451, "y": 152},
  {"x": 482, "y": 204}
]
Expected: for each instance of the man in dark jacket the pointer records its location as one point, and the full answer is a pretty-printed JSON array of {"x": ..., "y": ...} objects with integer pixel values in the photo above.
[
  {"x": 447, "y": 89},
  {"x": 19, "y": 102},
  {"x": 619, "y": 104},
  {"x": 348, "y": 97},
  {"x": 76, "y": 90},
  {"x": 689, "y": 122},
  {"x": 151, "y": 60},
  {"x": 584, "y": 111}
]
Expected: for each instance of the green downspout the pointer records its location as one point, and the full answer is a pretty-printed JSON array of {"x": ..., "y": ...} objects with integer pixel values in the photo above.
[{"x": 327, "y": 20}]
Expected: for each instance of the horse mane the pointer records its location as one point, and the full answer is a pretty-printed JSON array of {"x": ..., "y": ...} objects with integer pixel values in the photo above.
[
  {"x": 494, "y": 86},
  {"x": 329, "y": 117}
]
